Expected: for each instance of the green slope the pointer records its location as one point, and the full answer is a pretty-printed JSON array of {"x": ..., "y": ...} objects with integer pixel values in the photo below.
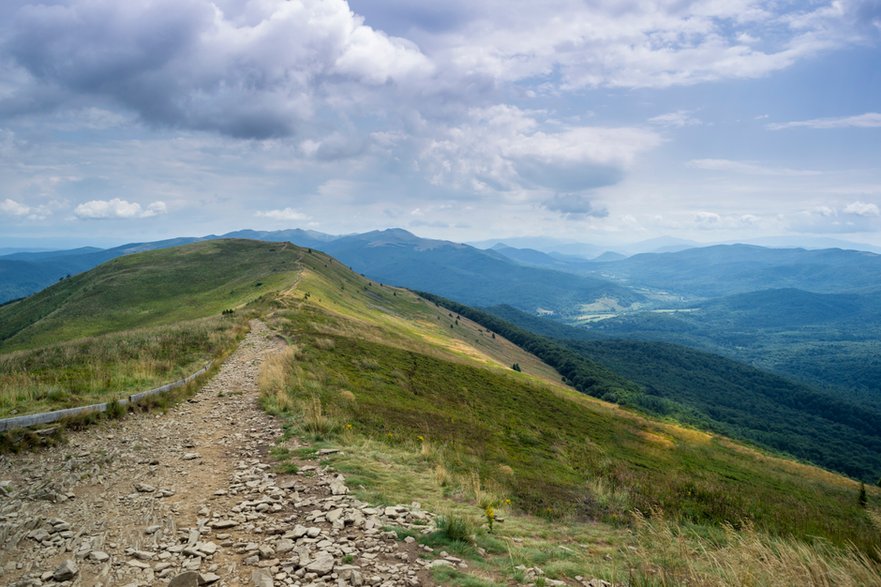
[
  {"x": 718, "y": 394},
  {"x": 392, "y": 368},
  {"x": 134, "y": 323},
  {"x": 148, "y": 289}
]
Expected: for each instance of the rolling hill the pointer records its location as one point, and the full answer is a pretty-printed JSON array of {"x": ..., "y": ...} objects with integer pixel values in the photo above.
[
  {"x": 724, "y": 270},
  {"x": 471, "y": 275}
]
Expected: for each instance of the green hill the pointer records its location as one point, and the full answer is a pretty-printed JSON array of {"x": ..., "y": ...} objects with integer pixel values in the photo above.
[
  {"x": 148, "y": 289},
  {"x": 392, "y": 367},
  {"x": 135, "y": 322},
  {"x": 426, "y": 406}
]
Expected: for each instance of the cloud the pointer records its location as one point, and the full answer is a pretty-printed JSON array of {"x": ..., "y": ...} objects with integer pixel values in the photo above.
[
  {"x": 258, "y": 70},
  {"x": 862, "y": 209},
  {"x": 117, "y": 208},
  {"x": 857, "y": 216},
  {"x": 747, "y": 168},
  {"x": 575, "y": 206},
  {"x": 10, "y": 207},
  {"x": 503, "y": 149},
  {"x": 867, "y": 120},
  {"x": 283, "y": 214},
  {"x": 677, "y": 119},
  {"x": 13, "y": 208}
]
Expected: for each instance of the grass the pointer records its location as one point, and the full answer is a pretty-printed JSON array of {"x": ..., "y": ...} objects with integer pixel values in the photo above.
[
  {"x": 428, "y": 409},
  {"x": 385, "y": 373},
  {"x": 110, "y": 366},
  {"x": 153, "y": 288}
]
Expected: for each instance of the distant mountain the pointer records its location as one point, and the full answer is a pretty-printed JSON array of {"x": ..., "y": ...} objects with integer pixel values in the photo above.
[
  {"x": 723, "y": 270},
  {"x": 802, "y": 242},
  {"x": 468, "y": 274},
  {"x": 303, "y": 238},
  {"x": 545, "y": 245},
  {"x": 609, "y": 256}
]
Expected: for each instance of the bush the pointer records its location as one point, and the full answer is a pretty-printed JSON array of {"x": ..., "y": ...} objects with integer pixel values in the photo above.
[{"x": 455, "y": 528}]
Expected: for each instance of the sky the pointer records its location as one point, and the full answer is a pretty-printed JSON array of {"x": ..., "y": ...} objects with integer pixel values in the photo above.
[{"x": 607, "y": 121}]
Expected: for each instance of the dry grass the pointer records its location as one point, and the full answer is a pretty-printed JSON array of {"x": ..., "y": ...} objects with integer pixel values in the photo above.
[
  {"x": 274, "y": 380},
  {"x": 744, "y": 557},
  {"x": 98, "y": 368}
]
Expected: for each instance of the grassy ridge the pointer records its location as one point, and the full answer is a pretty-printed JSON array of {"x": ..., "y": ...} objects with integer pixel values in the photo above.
[
  {"x": 558, "y": 453},
  {"x": 148, "y": 289},
  {"x": 135, "y": 322}
]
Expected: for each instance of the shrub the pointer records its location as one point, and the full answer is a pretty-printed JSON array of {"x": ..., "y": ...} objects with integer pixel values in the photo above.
[{"x": 455, "y": 527}]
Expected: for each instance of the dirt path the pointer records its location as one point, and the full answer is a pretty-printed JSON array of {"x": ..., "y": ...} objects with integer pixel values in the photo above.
[{"x": 189, "y": 497}]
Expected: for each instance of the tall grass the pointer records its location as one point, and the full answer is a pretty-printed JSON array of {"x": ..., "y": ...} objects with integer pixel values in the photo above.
[
  {"x": 99, "y": 368},
  {"x": 671, "y": 554}
]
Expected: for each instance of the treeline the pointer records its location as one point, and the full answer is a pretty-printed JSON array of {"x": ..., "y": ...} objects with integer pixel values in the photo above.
[{"x": 699, "y": 389}]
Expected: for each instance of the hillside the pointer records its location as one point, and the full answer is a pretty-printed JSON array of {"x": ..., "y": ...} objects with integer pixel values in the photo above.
[
  {"x": 471, "y": 275},
  {"x": 426, "y": 407},
  {"x": 151, "y": 288},
  {"x": 705, "y": 390},
  {"x": 135, "y": 322},
  {"x": 361, "y": 353},
  {"x": 827, "y": 340}
]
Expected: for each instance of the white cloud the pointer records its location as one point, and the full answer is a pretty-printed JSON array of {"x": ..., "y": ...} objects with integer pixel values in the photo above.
[
  {"x": 867, "y": 120},
  {"x": 118, "y": 208},
  {"x": 504, "y": 149},
  {"x": 862, "y": 209},
  {"x": 677, "y": 119},
  {"x": 853, "y": 217},
  {"x": 257, "y": 69},
  {"x": 283, "y": 214},
  {"x": 10, "y": 207},
  {"x": 747, "y": 167},
  {"x": 14, "y": 208}
]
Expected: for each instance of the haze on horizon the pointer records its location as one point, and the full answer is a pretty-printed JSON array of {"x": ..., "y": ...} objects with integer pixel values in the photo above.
[{"x": 596, "y": 122}]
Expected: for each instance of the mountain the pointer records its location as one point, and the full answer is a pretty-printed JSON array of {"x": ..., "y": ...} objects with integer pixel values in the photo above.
[
  {"x": 303, "y": 238},
  {"x": 418, "y": 398},
  {"x": 156, "y": 287},
  {"x": 730, "y": 269},
  {"x": 471, "y": 275}
]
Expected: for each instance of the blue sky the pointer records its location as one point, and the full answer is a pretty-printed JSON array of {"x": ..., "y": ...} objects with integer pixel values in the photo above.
[{"x": 606, "y": 122}]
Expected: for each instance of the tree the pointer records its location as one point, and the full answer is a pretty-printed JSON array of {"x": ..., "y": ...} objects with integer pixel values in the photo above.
[
  {"x": 863, "y": 497},
  {"x": 516, "y": 367}
]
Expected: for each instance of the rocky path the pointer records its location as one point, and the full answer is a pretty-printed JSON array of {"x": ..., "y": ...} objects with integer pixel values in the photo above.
[{"x": 190, "y": 498}]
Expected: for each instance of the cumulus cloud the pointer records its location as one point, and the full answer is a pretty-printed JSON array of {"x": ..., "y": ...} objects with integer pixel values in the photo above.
[
  {"x": 283, "y": 214},
  {"x": 118, "y": 208},
  {"x": 258, "y": 70},
  {"x": 857, "y": 216},
  {"x": 862, "y": 209},
  {"x": 867, "y": 120},
  {"x": 10, "y": 207},
  {"x": 506, "y": 149},
  {"x": 14, "y": 208},
  {"x": 631, "y": 45}
]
